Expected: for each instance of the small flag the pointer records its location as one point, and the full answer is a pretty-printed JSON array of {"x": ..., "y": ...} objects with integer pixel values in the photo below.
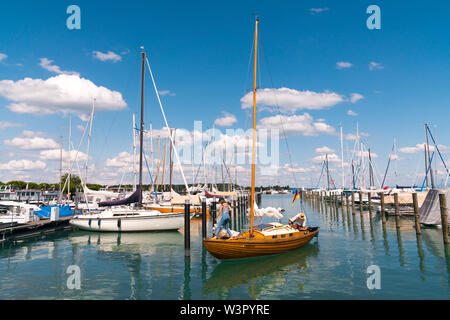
[{"x": 295, "y": 198}]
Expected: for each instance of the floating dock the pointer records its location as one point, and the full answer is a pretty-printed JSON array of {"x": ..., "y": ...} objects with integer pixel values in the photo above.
[{"x": 33, "y": 229}]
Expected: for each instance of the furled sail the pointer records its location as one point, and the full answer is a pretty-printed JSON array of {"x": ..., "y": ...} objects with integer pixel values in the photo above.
[{"x": 135, "y": 197}]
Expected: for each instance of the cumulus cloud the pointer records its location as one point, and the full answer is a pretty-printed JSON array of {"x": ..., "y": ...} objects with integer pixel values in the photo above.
[
  {"x": 3, "y": 56},
  {"x": 324, "y": 150},
  {"x": 343, "y": 65},
  {"x": 30, "y": 140},
  {"x": 63, "y": 93},
  {"x": 420, "y": 147},
  {"x": 352, "y": 113},
  {"x": 109, "y": 56},
  {"x": 55, "y": 154},
  {"x": 352, "y": 136},
  {"x": 5, "y": 124},
  {"x": 375, "y": 65},
  {"x": 291, "y": 100},
  {"x": 22, "y": 165},
  {"x": 226, "y": 121},
  {"x": 296, "y": 125},
  {"x": 318, "y": 10},
  {"x": 47, "y": 65},
  {"x": 355, "y": 97},
  {"x": 331, "y": 158},
  {"x": 166, "y": 93}
]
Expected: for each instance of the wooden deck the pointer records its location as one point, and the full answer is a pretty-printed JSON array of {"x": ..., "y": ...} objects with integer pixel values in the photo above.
[{"x": 33, "y": 229}]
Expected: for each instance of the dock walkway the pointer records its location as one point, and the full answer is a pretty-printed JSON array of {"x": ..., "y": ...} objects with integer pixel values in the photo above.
[{"x": 33, "y": 229}]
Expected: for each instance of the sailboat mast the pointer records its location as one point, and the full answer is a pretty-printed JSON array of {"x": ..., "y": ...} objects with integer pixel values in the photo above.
[
  {"x": 252, "y": 198},
  {"x": 141, "y": 132}
]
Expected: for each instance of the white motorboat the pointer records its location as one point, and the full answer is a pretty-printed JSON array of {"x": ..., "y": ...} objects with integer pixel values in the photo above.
[{"x": 17, "y": 212}]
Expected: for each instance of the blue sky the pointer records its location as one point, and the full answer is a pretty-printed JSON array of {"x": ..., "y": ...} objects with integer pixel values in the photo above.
[{"x": 199, "y": 52}]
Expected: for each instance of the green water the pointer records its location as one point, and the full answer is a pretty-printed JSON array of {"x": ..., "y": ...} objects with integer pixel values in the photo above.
[{"x": 152, "y": 265}]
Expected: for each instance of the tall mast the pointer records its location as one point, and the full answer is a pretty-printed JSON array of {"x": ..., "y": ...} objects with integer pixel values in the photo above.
[
  {"x": 429, "y": 160},
  {"x": 60, "y": 169},
  {"x": 252, "y": 198},
  {"x": 342, "y": 158},
  {"x": 328, "y": 174},
  {"x": 141, "y": 132},
  {"x": 134, "y": 152}
]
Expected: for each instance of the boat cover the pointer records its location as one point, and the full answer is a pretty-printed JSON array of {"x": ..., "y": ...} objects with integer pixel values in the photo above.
[
  {"x": 133, "y": 198},
  {"x": 430, "y": 211},
  {"x": 45, "y": 212}
]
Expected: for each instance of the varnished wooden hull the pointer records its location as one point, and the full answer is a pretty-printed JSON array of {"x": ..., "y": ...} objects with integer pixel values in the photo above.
[{"x": 245, "y": 248}]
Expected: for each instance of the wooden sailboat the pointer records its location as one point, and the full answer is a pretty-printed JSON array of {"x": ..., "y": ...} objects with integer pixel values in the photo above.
[{"x": 264, "y": 239}]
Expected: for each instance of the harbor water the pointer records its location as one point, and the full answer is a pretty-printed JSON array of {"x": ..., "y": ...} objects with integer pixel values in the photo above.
[{"x": 152, "y": 265}]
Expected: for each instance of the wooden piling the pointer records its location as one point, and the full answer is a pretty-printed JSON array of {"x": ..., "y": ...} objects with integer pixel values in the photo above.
[
  {"x": 416, "y": 213},
  {"x": 360, "y": 202},
  {"x": 383, "y": 213},
  {"x": 369, "y": 195},
  {"x": 397, "y": 211},
  {"x": 204, "y": 233},
  {"x": 353, "y": 202},
  {"x": 213, "y": 211},
  {"x": 187, "y": 229},
  {"x": 444, "y": 219}
]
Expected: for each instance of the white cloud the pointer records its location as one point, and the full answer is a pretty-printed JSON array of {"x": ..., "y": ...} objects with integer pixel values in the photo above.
[
  {"x": 123, "y": 159},
  {"x": 3, "y": 56},
  {"x": 375, "y": 65},
  {"x": 55, "y": 154},
  {"x": 420, "y": 147},
  {"x": 324, "y": 150},
  {"x": 352, "y": 113},
  {"x": 166, "y": 93},
  {"x": 291, "y": 100},
  {"x": 47, "y": 65},
  {"x": 352, "y": 136},
  {"x": 30, "y": 140},
  {"x": 109, "y": 56},
  {"x": 5, "y": 124},
  {"x": 356, "y": 97},
  {"x": 62, "y": 93},
  {"x": 331, "y": 158},
  {"x": 22, "y": 165},
  {"x": 343, "y": 65},
  {"x": 296, "y": 125},
  {"x": 226, "y": 121},
  {"x": 318, "y": 10}
]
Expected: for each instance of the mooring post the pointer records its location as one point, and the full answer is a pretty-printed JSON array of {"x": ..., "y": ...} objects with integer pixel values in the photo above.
[
  {"x": 361, "y": 202},
  {"x": 383, "y": 213},
  {"x": 353, "y": 202},
  {"x": 213, "y": 211},
  {"x": 397, "y": 211},
  {"x": 187, "y": 228},
  {"x": 369, "y": 195},
  {"x": 204, "y": 233},
  {"x": 444, "y": 219},
  {"x": 346, "y": 202},
  {"x": 416, "y": 213}
]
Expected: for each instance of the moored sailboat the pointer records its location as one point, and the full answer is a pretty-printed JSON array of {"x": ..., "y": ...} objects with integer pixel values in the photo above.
[
  {"x": 129, "y": 214},
  {"x": 263, "y": 239}
]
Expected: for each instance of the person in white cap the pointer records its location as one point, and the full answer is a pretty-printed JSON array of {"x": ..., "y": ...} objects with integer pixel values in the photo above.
[{"x": 299, "y": 220}]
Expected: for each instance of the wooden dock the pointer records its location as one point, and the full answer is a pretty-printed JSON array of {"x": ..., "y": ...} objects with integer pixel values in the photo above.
[{"x": 33, "y": 229}]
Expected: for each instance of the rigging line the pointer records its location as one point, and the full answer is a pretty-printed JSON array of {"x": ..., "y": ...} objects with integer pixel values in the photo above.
[
  {"x": 279, "y": 111},
  {"x": 437, "y": 149},
  {"x": 168, "y": 128}
]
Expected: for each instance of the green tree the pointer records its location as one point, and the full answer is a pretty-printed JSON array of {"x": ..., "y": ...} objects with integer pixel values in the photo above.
[{"x": 75, "y": 183}]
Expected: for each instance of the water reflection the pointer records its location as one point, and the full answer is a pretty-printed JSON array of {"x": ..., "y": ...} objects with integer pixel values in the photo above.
[{"x": 232, "y": 274}]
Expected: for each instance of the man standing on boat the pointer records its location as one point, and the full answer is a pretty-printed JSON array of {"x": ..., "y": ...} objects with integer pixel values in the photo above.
[
  {"x": 300, "y": 221},
  {"x": 225, "y": 220}
]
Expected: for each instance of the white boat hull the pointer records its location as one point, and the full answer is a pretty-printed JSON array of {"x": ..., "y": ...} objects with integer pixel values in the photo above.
[{"x": 159, "y": 222}]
